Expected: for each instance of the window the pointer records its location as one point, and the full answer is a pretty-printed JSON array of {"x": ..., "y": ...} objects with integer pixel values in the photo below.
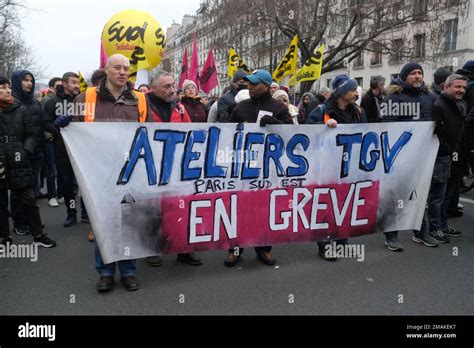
[
  {"x": 328, "y": 83},
  {"x": 452, "y": 3},
  {"x": 360, "y": 81},
  {"x": 451, "y": 35},
  {"x": 394, "y": 76},
  {"x": 397, "y": 50},
  {"x": 397, "y": 11},
  {"x": 376, "y": 56},
  {"x": 420, "y": 41},
  {"x": 359, "y": 61},
  {"x": 381, "y": 20},
  {"x": 420, "y": 8}
]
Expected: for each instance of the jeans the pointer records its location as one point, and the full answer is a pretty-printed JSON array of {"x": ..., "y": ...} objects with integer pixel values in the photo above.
[
  {"x": 453, "y": 192},
  {"x": 66, "y": 181},
  {"x": 37, "y": 165},
  {"x": 127, "y": 268},
  {"x": 437, "y": 195},
  {"x": 16, "y": 209},
  {"x": 51, "y": 167},
  {"x": 27, "y": 200}
]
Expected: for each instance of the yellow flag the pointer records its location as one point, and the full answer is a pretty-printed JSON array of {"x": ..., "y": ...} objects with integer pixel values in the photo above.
[
  {"x": 288, "y": 64},
  {"x": 236, "y": 63},
  {"x": 138, "y": 61},
  {"x": 82, "y": 83},
  {"x": 311, "y": 70}
]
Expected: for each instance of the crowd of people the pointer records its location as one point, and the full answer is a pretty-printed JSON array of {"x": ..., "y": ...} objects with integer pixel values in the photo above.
[{"x": 32, "y": 150}]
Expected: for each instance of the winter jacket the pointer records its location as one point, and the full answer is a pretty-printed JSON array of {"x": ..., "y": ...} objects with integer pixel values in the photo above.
[
  {"x": 436, "y": 89},
  {"x": 31, "y": 104},
  {"x": 305, "y": 109},
  {"x": 402, "y": 94},
  {"x": 51, "y": 111},
  {"x": 17, "y": 145},
  {"x": 213, "y": 113},
  {"x": 450, "y": 117},
  {"x": 162, "y": 111},
  {"x": 352, "y": 114},
  {"x": 469, "y": 98},
  {"x": 110, "y": 109},
  {"x": 196, "y": 110},
  {"x": 226, "y": 104},
  {"x": 371, "y": 106},
  {"x": 249, "y": 110}
]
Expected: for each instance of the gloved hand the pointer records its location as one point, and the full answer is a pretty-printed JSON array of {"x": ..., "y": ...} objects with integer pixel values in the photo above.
[
  {"x": 62, "y": 121},
  {"x": 267, "y": 119}
]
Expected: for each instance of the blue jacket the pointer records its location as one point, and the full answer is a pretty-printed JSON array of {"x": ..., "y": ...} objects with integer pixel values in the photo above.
[
  {"x": 352, "y": 114},
  {"x": 414, "y": 104}
]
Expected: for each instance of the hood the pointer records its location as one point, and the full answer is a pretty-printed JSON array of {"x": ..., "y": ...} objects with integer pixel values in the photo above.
[
  {"x": 17, "y": 90},
  {"x": 310, "y": 95},
  {"x": 399, "y": 86},
  {"x": 436, "y": 89},
  {"x": 467, "y": 73}
]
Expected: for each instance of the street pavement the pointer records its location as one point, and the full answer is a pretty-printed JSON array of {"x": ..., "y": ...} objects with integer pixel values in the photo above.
[{"x": 417, "y": 281}]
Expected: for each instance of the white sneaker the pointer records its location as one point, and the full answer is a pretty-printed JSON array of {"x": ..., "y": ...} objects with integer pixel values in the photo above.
[
  {"x": 60, "y": 200},
  {"x": 53, "y": 202}
]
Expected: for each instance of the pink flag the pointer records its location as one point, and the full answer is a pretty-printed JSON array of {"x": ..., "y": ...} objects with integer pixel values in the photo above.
[
  {"x": 194, "y": 68},
  {"x": 103, "y": 56},
  {"x": 208, "y": 76},
  {"x": 184, "y": 69}
]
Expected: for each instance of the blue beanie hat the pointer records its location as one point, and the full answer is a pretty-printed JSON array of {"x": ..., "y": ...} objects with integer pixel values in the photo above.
[
  {"x": 408, "y": 68},
  {"x": 338, "y": 80},
  {"x": 343, "y": 84},
  {"x": 469, "y": 66}
]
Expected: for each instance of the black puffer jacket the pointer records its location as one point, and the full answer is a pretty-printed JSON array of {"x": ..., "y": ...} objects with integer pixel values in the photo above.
[
  {"x": 450, "y": 116},
  {"x": 52, "y": 110},
  {"x": 32, "y": 106},
  {"x": 248, "y": 110},
  {"x": 17, "y": 145},
  {"x": 225, "y": 105}
]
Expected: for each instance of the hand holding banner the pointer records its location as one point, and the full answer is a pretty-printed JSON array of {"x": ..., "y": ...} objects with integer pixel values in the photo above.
[{"x": 195, "y": 187}]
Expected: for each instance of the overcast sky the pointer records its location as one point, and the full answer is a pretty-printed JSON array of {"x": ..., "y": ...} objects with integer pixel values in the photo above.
[{"x": 65, "y": 34}]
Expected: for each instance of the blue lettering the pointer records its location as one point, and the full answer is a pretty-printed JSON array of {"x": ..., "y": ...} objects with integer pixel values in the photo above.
[
  {"x": 347, "y": 140},
  {"x": 140, "y": 142},
  {"x": 370, "y": 138},
  {"x": 212, "y": 170},
  {"x": 189, "y": 155},
  {"x": 274, "y": 148},
  {"x": 237, "y": 162},
  {"x": 251, "y": 139},
  {"x": 390, "y": 154},
  {"x": 299, "y": 160},
  {"x": 170, "y": 139}
]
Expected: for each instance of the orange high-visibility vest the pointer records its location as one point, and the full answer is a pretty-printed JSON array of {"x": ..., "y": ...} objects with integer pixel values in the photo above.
[{"x": 91, "y": 99}]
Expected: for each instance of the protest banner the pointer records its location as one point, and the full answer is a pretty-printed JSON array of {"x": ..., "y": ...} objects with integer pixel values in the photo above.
[{"x": 173, "y": 188}]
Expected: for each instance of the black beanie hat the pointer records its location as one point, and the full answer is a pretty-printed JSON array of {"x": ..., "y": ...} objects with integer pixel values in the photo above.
[
  {"x": 408, "y": 68},
  {"x": 4, "y": 80},
  {"x": 239, "y": 75},
  {"x": 440, "y": 75}
]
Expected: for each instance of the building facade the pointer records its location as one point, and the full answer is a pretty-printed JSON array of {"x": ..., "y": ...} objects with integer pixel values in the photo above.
[{"x": 444, "y": 38}]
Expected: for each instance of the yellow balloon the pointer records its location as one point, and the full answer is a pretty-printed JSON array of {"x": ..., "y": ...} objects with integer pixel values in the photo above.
[{"x": 136, "y": 35}]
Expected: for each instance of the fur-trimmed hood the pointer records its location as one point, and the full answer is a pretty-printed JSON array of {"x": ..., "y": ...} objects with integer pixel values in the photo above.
[{"x": 398, "y": 86}]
